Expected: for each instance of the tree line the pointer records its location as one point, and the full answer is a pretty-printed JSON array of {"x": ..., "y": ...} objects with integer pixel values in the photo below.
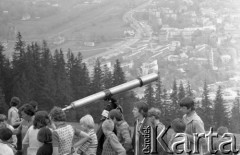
[
  {"x": 54, "y": 79},
  {"x": 213, "y": 113},
  {"x": 36, "y": 73}
]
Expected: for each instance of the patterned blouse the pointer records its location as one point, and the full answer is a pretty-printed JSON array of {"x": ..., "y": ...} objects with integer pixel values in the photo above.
[{"x": 63, "y": 139}]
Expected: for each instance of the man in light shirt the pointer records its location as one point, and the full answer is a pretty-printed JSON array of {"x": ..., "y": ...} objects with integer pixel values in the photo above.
[{"x": 140, "y": 112}]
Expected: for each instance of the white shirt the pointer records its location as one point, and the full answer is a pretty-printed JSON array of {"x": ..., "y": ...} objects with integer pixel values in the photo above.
[
  {"x": 31, "y": 139},
  {"x": 5, "y": 149},
  {"x": 13, "y": 115}
]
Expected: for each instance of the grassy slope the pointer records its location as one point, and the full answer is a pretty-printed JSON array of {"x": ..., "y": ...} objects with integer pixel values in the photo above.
[{"x": 74, "y": 20}]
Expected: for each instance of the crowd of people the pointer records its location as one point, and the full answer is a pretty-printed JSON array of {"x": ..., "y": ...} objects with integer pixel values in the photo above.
[{"x": 28, "y": 131}]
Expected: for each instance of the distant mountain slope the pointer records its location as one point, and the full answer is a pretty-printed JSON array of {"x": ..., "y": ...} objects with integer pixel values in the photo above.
[{"x": 73, "y": 20}]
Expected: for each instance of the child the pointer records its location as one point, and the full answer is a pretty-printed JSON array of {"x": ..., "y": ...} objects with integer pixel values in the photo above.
[
  {"x": 4, "y": 124},
  {"x": 179, "y": 127},
  {"x": 111, "y": 145},
  {"x": 221, "y": 131},
  {"x": 45, "y": 137},
  {"x": 123, "y": 130},
  {"x": 5, "y": 135},
  {"x": 90, "y": 146}
]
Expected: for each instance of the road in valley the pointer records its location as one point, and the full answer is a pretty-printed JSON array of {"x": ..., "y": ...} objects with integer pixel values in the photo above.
[{"x": 139, "y": 30}]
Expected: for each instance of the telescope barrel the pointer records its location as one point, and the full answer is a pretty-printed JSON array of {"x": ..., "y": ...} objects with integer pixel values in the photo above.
[{"x": 115, "y": 90}]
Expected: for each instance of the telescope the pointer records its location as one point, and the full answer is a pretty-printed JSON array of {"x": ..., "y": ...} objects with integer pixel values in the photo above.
[{"x": 138, "y": 82}]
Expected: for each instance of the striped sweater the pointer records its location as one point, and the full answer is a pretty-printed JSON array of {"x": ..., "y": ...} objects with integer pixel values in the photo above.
[{"x": 90, "y": 147}]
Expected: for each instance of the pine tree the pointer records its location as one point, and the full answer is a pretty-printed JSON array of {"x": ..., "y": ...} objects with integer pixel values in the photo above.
[
  {"x": 189, "y": 90},
  {"x": 22, "y": 89},
  {"x": 181, "y": 92},
  {"x": 220, "y": 115},
  {"x": 7, "y": 80},
  {"x": 48, "y": 92},
  {"x": 74, "y": 73},
  {"x": 159, "y": 93},
  {"x": 79, "y": 81},
  {"x": 19, "y": 55},
  {"x": 149, "y": 95},
  {"x": 96, "y": 86},
  {"x": 165, "y": 99},
  {"x": 3, "y": 106},
  {"x": 4, "y": 79},
  {"x": 63, "y": 90},
  {"x": 20, "y": 45},
  {"x": 118, "y": 78},
  {"x": 206, "y": 110},
  {"x": 107, "y": 77},
  {"x": 166, "y": 109},
  {"x": 33, "y": 70},
  {"x": 118, "y": 74},
  {"x": 2, "y": 62},
  {"x": 174, "y": 112},
  {"x": 85, "y": 80},
  {"x": 125, "y": 99},
  {"x": 96, "y": 83},
  {"x": 234, "y": 121},
  {"x": 19, "y": 64},
  {"x": 78, "y": 76}
]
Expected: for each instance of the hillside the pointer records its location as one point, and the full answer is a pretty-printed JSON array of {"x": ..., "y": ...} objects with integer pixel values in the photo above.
[{"x": 69, "y": 24}]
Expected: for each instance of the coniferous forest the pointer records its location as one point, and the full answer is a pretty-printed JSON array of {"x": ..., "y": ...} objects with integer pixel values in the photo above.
[{"x": 53, "y": 78}]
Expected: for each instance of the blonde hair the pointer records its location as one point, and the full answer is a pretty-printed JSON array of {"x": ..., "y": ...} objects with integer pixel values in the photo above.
[
  {"x": 108, "y": 125},
  {"x": 87, "y": 121}
]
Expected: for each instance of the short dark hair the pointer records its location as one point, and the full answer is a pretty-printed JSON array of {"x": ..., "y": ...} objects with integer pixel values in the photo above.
[
  {"x": 154, "y": 112},
  {"x": 5, "y": 134},
  {"x": 58, "y": 115},
  {"x": 3, "y": 117},
  {"x": 142, "y": 108},
  {"x": 222, "y": 130},
  {"x": 115, "y": 113},
  {"x": 34, "y": 104},
  {"x": 15, "y": 101},
  {"x": 44, "y": 135},
  {"x": 187, "y": 102},
  {"x": 41, "y": 119},
  {"x": 178, "y": 125},
  {"x": 27, "y": 109}
]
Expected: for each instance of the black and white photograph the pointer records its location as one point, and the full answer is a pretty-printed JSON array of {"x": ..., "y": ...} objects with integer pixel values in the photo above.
[{"x": 119, "y": 77}]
